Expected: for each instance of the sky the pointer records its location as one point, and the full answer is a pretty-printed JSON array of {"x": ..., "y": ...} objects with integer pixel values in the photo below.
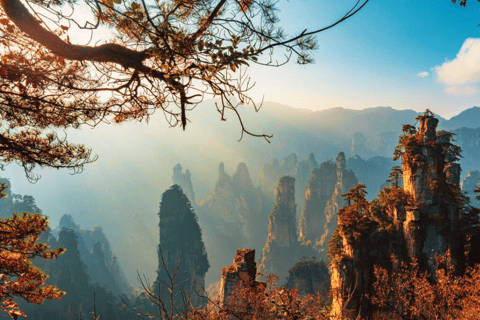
[{"x": 403, "y": 54}]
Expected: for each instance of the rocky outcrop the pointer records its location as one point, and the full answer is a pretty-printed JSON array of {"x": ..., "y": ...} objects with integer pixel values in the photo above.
[
  {"x": 234, "y": 216},
  {"x": 372, "y": 172},
  {"x": 430, "y": 177},
  {"x": 290, "y": 166},
  {"x": 243, "y": 271},
  {"x": 469, "y": 140},
  {"x": 15, "y": 202},
  {"x": 418, "y": 220},
  {"x": 359, "y": 144},
  {"x": 280, "y": 251},
  {"x": 319, "y": 191},
  {"x": 6, "y": 204},
  {"x": 185, "y": 182},
  {"x": 385, "y": 143},
  {"x": 322, "y": 200},
  {"x": 239, "y": 209},
  {"x": 181, "y": 246},
  {"x": 303, "y": 174},
  {"x": 271, "y": 172},
  {"x": 468, "y": 185},
  {"x": 95, "y": 251},
  {"x": 309, "y": 277}
]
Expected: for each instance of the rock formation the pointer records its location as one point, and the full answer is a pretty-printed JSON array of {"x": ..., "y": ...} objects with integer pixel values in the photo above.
[
  {"x": 418, "y": 220},
  {"x": 303, "y": 173},
  {"x": 238, "y": 209},
  {"x": 181, "y": 246},
  {"x": 271, "y": 172},
  {"x": 185, "y": 182},
  {"x": 385, "y": 143},
  {"x": 234, "y": 216},
  {"x": 15, "y": 202},
  {"x": 309, "y": 277},
  {"x": 372, "y": 172},
  {"x": 468, "y": 185},
  {"x": 281, "y": 249},
  {"x": 359, "y": 146},
  {"x": 469, "y": 140},
  {"x": 322, "y": 200},
  {"x": 243, "y": 271},
  {"x": 290, "y": 166},
  {"x": 95, "y": 251}
]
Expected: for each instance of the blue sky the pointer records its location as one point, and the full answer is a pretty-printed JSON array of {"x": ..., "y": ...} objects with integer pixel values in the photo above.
[{"x": 403, "y": 54}]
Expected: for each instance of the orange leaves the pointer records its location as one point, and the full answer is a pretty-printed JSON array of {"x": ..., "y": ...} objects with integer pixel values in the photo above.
[
  {"x": 245, "y": 5},
  {"x": 18, "y": 277},
  {"x": 265, "y": 301},
  {"x": 412, "y": 294},
  {"x": 110, "y": 3},
  {"x": 11, "y": 308}
]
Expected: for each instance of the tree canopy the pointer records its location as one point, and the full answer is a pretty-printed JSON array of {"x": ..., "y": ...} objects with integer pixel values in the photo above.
[
  {"x": 18, "y": 277},
  {"x": 161, "y": 55}
]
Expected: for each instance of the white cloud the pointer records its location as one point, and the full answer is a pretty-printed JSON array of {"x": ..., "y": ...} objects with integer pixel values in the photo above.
[
  {"x": 463, "y": 70},
  {"x": 423, "y": 74},
  {"x": 461, "y": 90}
]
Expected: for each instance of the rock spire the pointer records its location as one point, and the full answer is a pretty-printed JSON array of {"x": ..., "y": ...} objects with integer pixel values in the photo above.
[
  {"x": 415, "y": 221},
  {"x": 322, "y": 200},
  {"x": 181, "y": 246},
  {"x": 281, "y": 249}
]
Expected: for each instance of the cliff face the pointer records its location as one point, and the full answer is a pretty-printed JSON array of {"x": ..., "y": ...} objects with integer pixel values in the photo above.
[
  {"x": 385, "y": 143},
  {"x": 359, "y": 145},
  {"x": 372, "y": 172},
  {"x": 468, "y": 185},
  {"x": 15, "y": 202},
  {"x": 417, "y": 220},
  {"x": 430, "y": 176},
  {"x": 469, "y": 140},
  {"x": 322, "y": 200},
  {"x": 185, "y": 182},
  {"x": 243, "y": 270},
  {"x": 95, "y": 251},
  {"x": 234, "y": 216},
  {"x": 181, "y": 246},
  {"x": 281, "y": 249},
  {"x": 290, "y": 166},
  {"x": 238, "y": 209},
  {"x": 309, "y": 277}
]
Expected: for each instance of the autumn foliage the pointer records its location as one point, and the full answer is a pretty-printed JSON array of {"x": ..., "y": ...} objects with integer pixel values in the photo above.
[
  {"x": 18, "y": 277},
  {"x": 407, "y": 293},
  {"x": 264, "y": 301}
]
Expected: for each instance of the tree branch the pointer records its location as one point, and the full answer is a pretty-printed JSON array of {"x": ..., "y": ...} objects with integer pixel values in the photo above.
[
  {"x": 111, "y": 52},
  {"x": 209, "y": 21},
  {"x": 349, "y": 14}
]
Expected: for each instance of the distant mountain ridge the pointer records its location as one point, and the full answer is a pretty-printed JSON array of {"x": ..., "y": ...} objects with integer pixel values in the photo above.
[
  {"x": 385, "y": 118},
  {"x": 334, "y": 128},
  {"x": 469, "y": 118}
]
